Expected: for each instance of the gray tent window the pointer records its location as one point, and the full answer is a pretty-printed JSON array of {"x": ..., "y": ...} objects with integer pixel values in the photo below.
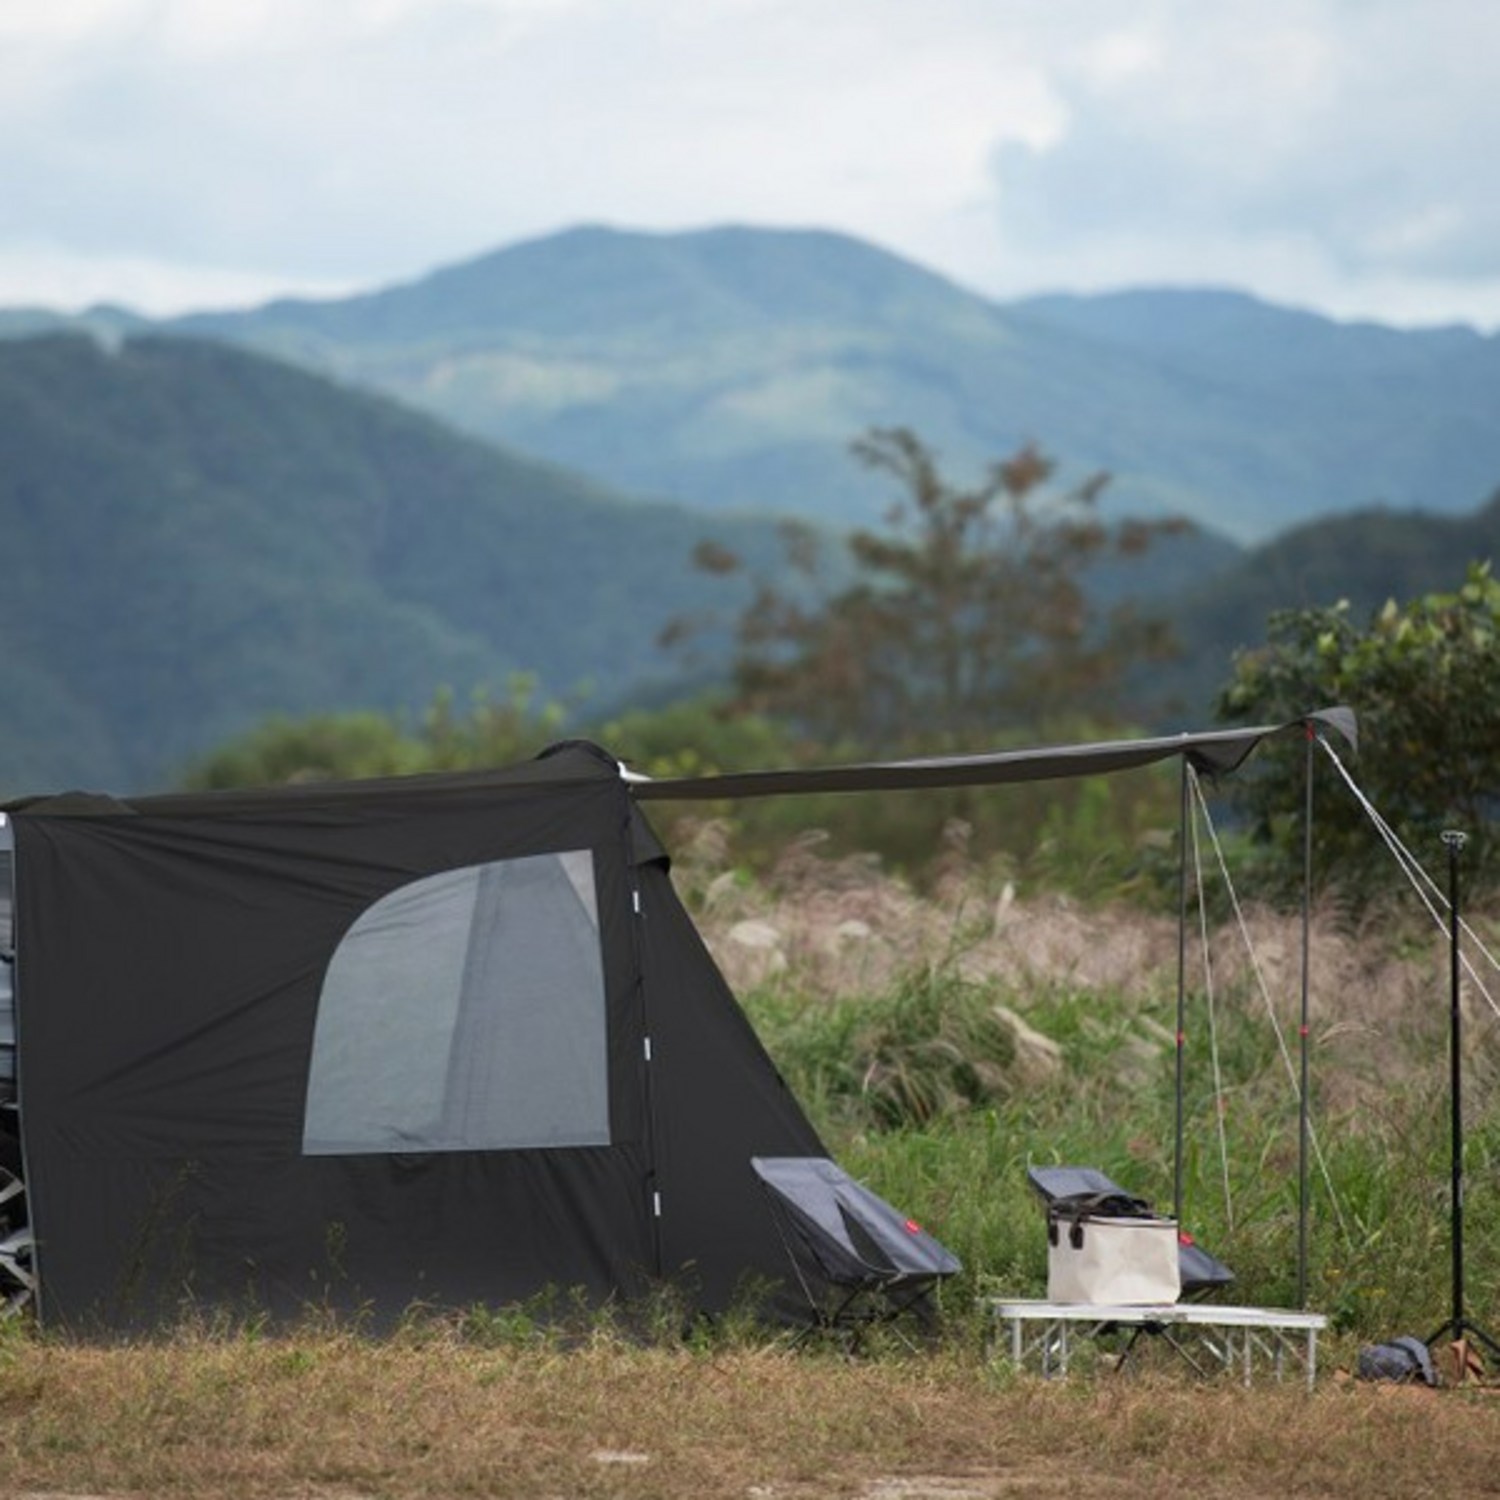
[{"x": 465, "y": 1012}]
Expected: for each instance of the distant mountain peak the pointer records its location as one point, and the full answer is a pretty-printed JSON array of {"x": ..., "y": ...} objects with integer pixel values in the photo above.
[
  {"x": 1157, "y": 317},
  {"x": 600, "y": 281}
]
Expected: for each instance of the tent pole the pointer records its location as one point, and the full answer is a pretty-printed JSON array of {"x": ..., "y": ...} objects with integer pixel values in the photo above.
[
  {"x": 1459, "y": 1327},
  {"x": 638, "y": 945},
  {"x": 1455, "y": 841},
  {"x": 1181, "y": 1032},
  {"x": 1303, "y": 1122}
]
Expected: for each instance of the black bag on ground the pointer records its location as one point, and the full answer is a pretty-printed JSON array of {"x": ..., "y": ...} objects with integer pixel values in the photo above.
[{"x": 1404, "y": 1360}]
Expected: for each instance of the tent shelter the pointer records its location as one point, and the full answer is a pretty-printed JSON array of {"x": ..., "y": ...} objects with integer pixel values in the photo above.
[{"x": 447, "y": 1038}]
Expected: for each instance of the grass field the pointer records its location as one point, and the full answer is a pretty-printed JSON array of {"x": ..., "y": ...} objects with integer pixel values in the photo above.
[
  {"x": 944, "y": 1043},
  {"x": 326, "y": 1415},
  {"x": 941, "y": 1043}
]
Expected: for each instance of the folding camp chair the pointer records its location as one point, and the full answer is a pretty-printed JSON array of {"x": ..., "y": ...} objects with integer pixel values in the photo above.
[
  {"x": 1201, "y": 1273},
  {"x": 858, "y": 1261}
]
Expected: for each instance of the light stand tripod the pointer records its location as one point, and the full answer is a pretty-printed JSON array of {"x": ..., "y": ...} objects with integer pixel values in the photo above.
[{"x": 1459, "y": 1329}]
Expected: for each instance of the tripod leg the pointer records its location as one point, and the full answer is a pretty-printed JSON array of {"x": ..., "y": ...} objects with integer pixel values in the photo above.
[{"x": 1473, "y": 1331}]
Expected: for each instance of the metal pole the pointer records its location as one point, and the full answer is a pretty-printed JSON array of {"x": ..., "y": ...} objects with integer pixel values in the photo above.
[
  {"x": 1303, "y": 1128},
  {"x": 1182, "y": 888},
  {"x": 1458, "y": 1328},
  {"x": 1455, "y": 841}
]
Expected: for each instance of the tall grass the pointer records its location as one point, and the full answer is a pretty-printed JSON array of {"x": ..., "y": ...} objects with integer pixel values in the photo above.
[
  {"x": 902, "y": 1044},
  {"x": 1378, "y": 1239}
]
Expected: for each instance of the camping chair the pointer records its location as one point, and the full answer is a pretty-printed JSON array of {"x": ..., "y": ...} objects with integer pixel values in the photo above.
[
  {"x": 858, "y": 1261},
  {"x": 1201, "y": 1272}
]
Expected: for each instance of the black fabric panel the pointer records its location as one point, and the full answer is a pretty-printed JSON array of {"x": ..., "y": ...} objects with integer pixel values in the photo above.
[
  {"x": 148, "y": 1241},
  {"x": 717, "y": 1101},
  {"x": 854, "y": 1231},
  {"x": 170, "y": 963}
]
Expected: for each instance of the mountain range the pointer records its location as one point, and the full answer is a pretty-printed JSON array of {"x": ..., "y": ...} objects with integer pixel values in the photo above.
[
  {"x": 236, "y": 515},
  {"x": 731, "y": 368}
]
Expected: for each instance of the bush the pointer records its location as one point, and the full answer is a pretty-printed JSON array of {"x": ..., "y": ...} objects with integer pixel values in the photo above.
[{"x": 1421, "y": 678}]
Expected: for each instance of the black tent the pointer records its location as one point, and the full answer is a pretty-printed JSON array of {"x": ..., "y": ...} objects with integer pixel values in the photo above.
[{"x": 443, "y": 1038}]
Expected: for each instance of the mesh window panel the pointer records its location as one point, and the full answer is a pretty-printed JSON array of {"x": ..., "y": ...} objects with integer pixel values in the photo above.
[{"x": 465, "y": 1012}]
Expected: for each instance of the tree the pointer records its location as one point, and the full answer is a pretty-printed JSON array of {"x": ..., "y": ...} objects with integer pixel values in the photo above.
[
  {"x": 1422, "y": 679},
  {"x": 344, "y": 746},
  {"x": 967, "y": 612}
]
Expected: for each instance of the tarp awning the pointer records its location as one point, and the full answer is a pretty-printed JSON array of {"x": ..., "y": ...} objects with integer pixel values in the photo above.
[{"x": 1214, "y": 752}]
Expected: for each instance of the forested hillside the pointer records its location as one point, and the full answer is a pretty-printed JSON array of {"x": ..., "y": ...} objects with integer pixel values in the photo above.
[
  {"x": 196, "y": 537},
  {"x": 1366, "y": 558}
]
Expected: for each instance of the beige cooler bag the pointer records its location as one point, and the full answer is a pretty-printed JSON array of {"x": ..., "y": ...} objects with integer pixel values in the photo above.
[{"x": 1108, "y": 1260}]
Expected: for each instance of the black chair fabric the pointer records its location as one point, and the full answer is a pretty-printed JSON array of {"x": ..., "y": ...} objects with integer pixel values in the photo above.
[{"x": 857, "y": 1259}]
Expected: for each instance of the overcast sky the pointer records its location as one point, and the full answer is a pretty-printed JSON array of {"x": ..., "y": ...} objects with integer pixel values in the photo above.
[{"x": 1336, "y": 154}]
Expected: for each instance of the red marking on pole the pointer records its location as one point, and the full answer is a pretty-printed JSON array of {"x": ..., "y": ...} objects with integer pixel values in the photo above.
[
  {"x": 1182, "y": 1039},
  {"x": 1303, "y": 1032}
]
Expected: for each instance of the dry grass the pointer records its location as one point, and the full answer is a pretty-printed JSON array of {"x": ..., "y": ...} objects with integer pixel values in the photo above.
[
  {"x": 342, "y": 1418},
  {"x": 826, "y": 928}
]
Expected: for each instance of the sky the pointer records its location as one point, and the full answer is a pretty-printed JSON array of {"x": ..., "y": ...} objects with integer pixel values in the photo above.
[{"x": 1339, "y": 155}]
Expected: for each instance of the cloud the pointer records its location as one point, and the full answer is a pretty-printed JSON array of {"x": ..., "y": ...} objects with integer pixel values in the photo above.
[
  {"x": 1357, "y": 138},
  {"x": 49, "y": 275},
  {"x": 1308, "y": 149},
  {"x": 372, "y": 137}
]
